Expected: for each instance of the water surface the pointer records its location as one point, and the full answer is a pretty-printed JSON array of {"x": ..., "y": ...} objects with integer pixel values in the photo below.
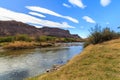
[{"x": 32, "y": 62}]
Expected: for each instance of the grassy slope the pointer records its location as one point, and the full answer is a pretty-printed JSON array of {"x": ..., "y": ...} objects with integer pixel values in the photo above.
[{"x": 96, "y": 62}]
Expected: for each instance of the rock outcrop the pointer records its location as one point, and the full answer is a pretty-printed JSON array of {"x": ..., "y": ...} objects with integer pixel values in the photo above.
[
  {"x": 11, "y": 28},
  {"x": 56, "y": 32}
]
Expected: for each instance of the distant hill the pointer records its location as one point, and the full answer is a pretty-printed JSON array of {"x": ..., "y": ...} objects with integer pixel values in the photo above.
[
  {"x": 58, "y": 32},
  {"x": 11, "y": 28}
]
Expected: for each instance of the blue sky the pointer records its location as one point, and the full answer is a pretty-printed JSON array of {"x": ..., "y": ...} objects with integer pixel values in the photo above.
[{"x": 77, "y": 16}]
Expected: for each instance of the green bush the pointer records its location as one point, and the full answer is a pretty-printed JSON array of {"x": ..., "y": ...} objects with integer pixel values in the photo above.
[
  {"x": 50, "y": 38},
  {"x": 7, "y": 39},
  {"x": 22, "y": 37},
  {"x": 45, "y": 38},
  {"x": 108, "y": 34},
  {"x": 69, "y": 40},
  {"x": 98, "y": 35}
]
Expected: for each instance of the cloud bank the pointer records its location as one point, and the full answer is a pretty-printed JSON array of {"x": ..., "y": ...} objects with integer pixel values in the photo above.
[
  {"x": 47, "y": 11},
  {"x": 6, "y": 15}
]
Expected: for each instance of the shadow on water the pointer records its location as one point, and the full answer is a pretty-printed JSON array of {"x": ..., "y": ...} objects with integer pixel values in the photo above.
[
  {"x": 15, "y": 75},
  {"x": 15, "y": 53}
]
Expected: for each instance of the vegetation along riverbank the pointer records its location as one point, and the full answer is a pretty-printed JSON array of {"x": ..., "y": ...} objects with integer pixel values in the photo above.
[
  {"x": 100, "y": 60},
  {"x": 26, "y": 42},
  {"x": 96, "y": 62},
  {"x": 18, "y": 35}
]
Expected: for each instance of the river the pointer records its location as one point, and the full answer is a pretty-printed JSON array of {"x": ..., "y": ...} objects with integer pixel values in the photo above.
[{"x": 32, "y": 62}]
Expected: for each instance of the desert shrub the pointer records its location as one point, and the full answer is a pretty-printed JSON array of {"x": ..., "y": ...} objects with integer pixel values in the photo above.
[
  {"x": 45, "y": 38},
  {"x": 7, "y": 39},
  {"x": 98, "y": 35},
  {"x": 50, "y": 38},
  {"x": 95, "y": 35},
  {"x": 22, "y": 37},
  {"x": 69, "y": 40},
  {"x": 109, "y": 34}
]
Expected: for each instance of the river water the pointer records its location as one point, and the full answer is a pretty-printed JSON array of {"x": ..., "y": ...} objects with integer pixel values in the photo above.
[{"x": 32, "y": 62}]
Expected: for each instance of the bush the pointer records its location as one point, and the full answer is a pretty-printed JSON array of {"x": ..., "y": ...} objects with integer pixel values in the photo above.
[
  {"x": 7, "y": 39},
  {"x": 98, "y": 35},
  {"x": 22, "y": 37},
  {"x": 108, "y": 34},
  {"x": 45, "y": 38},
  {"x": 69, "y": 40}
]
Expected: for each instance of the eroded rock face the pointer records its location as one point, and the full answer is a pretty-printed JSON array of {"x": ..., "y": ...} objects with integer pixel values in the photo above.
[
  {"x": 11, "y": 28},
  {"x": 75, "y": 36},
  {"x": 55, "y": 32}
]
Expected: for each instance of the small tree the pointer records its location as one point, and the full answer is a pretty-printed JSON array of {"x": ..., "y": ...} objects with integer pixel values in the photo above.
[
  {"x": 95, "y": 35},
  {"x": 98, "y": 35}
]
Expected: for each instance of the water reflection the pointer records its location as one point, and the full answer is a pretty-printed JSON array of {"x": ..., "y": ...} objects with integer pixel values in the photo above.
[
  {"x": 34, "y": 61},
  {"x": 14, "y": 75}
]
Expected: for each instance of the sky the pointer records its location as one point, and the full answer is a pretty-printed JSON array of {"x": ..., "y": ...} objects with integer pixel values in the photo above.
[{"x": 77, "y": 16}]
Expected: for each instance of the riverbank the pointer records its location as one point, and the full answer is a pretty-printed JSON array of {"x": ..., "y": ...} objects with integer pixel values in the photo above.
[
  {"x": 96, "y": 62},
  {"x": 25, "y": 63},
  {"x": 18, "y": 45},
  {"x": 5, "y": 48}
]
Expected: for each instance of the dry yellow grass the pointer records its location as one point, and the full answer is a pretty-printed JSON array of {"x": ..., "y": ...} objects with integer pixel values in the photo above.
[
  {"x": 96, "y": 62},
  {"x": 19, "y": 45},
  {"x": 26, "y": 45}
]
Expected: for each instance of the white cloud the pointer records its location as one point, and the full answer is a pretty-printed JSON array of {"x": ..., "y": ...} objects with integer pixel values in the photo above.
[
  {"x": 77, "y": 3},
  {"x": 37, "y": 14},
  {"x": 66, "y": 5},
  {"x": 6, "y": 14},
  {"x": 47, "y": 11},
  {"x": 105, "y": 2},
  {"x": 88, "y": 19}
]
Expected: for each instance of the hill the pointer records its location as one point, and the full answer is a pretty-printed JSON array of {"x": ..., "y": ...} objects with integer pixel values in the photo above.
[
  {"x": 11, "y": 28},
  {"x": 96, "y": 62},
  {"x": 58, "y": 32}
]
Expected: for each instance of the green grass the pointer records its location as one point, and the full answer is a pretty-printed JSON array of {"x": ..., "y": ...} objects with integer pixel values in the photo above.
[{"x": 96, "y": 62}]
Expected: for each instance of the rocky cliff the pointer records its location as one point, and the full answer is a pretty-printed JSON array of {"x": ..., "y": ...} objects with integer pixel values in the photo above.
[
  {"x": 55, "y": 32},
  {"x": 11, "y": 28}
]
